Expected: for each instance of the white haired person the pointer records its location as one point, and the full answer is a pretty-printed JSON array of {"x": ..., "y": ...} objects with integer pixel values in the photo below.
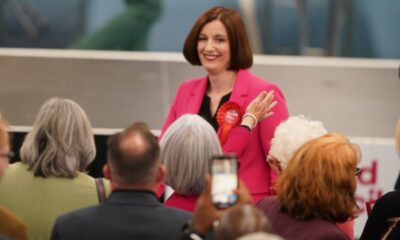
[
  {"x": 50, "y": 178},
  {"x": 289, "y": 136},
  {"x": 186, "y": 150}
]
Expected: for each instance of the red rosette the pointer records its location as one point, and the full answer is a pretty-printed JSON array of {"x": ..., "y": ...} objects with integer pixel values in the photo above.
[{"x": 229, "y": 115}]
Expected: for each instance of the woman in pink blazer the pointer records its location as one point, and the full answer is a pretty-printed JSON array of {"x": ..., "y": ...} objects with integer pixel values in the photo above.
[{"x": 219, "y": 43}]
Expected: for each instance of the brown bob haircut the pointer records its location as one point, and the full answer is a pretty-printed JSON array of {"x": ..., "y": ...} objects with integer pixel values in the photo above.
[
  {"x": 319, "y": 181},
  {"x": 241, "y": 54}
]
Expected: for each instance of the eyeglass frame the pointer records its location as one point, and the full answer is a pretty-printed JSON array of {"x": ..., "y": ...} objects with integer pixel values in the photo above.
[{"x": 358, "y": 171}]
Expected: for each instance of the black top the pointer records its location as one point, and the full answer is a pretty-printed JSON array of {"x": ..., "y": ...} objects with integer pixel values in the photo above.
[
  {"x": 206, "y": 113},
  {"x": 385, "y": 208},
  {"x": 397, "y": 185}
]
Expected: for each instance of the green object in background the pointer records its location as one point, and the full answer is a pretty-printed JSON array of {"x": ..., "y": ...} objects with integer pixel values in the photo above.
[{"x": 127, "y": 31}]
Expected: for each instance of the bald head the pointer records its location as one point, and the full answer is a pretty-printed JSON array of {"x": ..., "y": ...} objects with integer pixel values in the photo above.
[
  {"x": 133, "y": 144},
  {"x": 133, "y": 155}
]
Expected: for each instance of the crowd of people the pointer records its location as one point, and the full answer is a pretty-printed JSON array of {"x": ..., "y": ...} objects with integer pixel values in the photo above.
[{"x": 296, "y": 179}]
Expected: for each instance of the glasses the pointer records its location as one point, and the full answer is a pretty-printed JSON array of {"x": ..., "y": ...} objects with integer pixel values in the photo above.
[
  {"x": 358, "y": 171},
  {"x": 8, "y": 155}
]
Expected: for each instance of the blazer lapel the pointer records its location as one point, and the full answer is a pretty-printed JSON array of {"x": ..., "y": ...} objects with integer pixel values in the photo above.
[
  {"x": 239, "y": 92},
  {"x": 197, "y": 95},
  {"x": 240, "y": 89}
]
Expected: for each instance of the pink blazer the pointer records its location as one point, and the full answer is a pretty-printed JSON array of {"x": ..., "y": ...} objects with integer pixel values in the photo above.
[
  {"x": 250, "y": 148},
  {"x": 180, "y": 201}
]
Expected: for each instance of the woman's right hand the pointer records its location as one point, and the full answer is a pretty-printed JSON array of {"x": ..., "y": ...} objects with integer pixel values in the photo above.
[{"x": 260, "y": 108}]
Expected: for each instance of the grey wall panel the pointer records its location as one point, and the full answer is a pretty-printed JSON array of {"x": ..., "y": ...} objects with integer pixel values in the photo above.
[
  {"x": 357, "y": 101},
  {"x": 357, "y": 97},
  {"x": 113, "y": 93}
]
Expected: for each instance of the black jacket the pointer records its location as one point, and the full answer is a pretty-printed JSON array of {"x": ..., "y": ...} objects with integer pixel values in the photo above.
[
  {"x": 125, "y": 215},
  {"x": 385, "y": 208}
]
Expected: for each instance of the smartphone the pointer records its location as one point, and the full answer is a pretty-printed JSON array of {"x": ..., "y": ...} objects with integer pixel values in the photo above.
[{"x": 224, "y": 181}]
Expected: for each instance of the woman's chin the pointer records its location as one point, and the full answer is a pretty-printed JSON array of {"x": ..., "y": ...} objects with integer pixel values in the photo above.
[{"x": 213, "y": 69}]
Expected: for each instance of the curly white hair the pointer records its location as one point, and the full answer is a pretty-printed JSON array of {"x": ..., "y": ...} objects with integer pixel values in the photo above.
[{"x": 291, "y": 134}]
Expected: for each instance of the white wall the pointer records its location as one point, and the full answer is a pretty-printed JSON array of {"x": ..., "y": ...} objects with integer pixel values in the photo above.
[{"x": 357, "y": 97}]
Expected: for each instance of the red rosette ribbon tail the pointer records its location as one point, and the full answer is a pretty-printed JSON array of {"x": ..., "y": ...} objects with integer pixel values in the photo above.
[{"x": 229, "y": 115}]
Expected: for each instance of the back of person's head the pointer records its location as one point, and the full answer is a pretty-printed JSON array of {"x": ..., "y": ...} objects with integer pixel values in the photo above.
[
  {"x": 291, "y": 134},
  {"x": 260, "y": 236},
  {"x": 133, "y": 156},
  {"x": 241, "y": 220},
  {"x": 4, "y": 146},
  {"x": 186, "y": 150},
  {"x": 61, "y": 141},
  {"x": 320, "y": 181}
]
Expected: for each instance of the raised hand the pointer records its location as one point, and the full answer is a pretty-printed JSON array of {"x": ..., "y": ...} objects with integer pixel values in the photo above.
[{"x": 259, "y": 109}]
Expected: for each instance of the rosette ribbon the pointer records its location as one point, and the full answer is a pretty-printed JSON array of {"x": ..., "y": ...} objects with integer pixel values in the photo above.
[{"x": 229, "y": 115}]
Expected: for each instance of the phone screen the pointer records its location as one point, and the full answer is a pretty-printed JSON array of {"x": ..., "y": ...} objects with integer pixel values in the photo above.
[{"x": 224, "y": 181}]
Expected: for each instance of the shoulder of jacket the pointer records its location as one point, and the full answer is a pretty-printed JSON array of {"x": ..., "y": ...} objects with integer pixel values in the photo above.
[
  {"x": 191, "y": 82},
  {"x": 179, "y": 213},
  {"x": 265, "y": 84}
]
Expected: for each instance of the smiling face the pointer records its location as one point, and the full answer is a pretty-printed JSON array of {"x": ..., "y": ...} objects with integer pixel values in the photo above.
[{"x": 213, "y": 47}]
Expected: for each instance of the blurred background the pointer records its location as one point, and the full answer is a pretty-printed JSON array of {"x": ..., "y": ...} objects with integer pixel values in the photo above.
[{"x": 346, "y": 28}]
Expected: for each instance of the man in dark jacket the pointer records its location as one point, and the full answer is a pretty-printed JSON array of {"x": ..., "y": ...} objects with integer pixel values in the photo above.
[{"x": 132, "y": 211}]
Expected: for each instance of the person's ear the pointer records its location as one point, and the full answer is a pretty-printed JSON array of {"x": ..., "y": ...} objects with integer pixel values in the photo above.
[
  {"x": 106, "y": 172},
  {"x": 278, "y": 167},
  {"x": 274, "y": 164},
  {"x": 160, "y": 173}
]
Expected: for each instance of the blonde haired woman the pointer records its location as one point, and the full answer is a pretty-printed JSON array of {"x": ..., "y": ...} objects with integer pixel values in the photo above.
[{"x": 50, "y": 178}]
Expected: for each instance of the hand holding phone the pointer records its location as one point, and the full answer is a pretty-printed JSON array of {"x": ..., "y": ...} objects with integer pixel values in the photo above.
[
  {"x": 206, "y": 213},
  {"x": 224, "y": 181}
]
